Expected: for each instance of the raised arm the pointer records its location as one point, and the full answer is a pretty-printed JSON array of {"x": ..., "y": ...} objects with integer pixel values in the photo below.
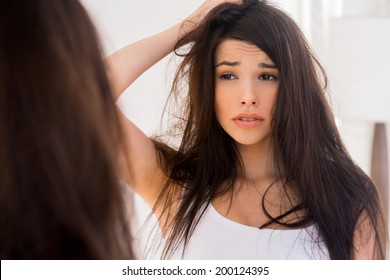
[
  {"x": 128, "y": 63},
  {"x": 145, "y": 175}
]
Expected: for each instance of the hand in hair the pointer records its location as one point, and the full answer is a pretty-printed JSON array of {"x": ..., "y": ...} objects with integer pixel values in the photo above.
[{"x": 197, "y": 16}]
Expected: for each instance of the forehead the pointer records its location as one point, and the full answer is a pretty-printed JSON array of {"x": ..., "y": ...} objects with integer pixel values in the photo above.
[{"x": 236, "y": 50}]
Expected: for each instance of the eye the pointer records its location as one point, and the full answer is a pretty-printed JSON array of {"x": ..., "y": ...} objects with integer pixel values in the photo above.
[
  {"x": 227, "y": 77},
  {"x": 267, "y": 77}
]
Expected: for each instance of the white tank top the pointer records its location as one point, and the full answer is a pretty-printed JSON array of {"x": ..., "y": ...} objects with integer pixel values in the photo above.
[{"x": 218, "y": 238}]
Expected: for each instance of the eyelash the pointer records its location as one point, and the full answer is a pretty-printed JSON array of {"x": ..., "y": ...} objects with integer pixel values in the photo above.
[
  {"x": 229, "y": 76},
  {"x": 225, "y": 76},
  {"x": 271, "y": 77}
]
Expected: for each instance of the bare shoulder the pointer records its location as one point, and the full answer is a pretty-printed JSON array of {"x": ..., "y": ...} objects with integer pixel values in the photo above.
[{"x": 365, "y": 239}]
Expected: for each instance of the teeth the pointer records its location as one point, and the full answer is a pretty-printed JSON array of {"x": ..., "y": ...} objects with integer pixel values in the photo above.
[{"x": 247, "y": 119}]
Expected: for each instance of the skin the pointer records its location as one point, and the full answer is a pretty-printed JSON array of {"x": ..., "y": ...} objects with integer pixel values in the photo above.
[
  {"x": 246, "y": 84},
  {"x": 245, "y": 93}
]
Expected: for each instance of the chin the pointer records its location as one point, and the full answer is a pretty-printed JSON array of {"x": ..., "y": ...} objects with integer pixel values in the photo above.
[
  {"x": 248, "y": 142},
  {"x": 252, "y": 141}
]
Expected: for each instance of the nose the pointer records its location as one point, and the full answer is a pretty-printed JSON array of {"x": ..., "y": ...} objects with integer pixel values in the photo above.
[{"x": 249, "y": 96}]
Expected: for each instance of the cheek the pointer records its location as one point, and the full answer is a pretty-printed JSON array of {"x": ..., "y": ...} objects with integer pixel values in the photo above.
[
  {"x": 219, "y": 104},
  {"x": 269, "y": 104}
]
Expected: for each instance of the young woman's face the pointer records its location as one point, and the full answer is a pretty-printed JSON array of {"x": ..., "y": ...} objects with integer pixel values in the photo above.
[{"x": 246, "y": 85}]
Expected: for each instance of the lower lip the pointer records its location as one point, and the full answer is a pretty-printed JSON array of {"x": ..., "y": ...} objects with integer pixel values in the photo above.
[{"x": 248, "y": 124}]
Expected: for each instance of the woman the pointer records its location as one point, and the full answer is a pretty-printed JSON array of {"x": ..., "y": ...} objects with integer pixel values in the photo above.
[
  {"x": 60, "y": 138},
  {"x": 261, "y": 171}
]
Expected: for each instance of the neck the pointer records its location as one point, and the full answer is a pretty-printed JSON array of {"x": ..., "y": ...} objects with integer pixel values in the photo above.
[{"x": 257, "y": 162}]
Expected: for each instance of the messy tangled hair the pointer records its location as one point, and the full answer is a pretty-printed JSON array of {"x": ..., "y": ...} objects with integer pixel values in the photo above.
[
  {"x": 60, "y": 138},
  {"x": 309, "y": 154}
]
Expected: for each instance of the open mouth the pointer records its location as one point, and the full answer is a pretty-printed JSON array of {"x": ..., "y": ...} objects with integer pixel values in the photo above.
[{"x": 248, "y": 121}]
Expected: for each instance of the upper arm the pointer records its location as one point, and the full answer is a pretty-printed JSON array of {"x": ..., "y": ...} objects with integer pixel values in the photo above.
[
  {"x": 364, "y": 239},
  {"x": 143, "y": 172}
]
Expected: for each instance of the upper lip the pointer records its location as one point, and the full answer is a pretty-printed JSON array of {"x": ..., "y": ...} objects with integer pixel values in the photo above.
[{"x": 248, "y": 115}]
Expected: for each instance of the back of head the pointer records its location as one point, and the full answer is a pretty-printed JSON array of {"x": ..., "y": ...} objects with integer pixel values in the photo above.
[{"x": 60, "y": 137}]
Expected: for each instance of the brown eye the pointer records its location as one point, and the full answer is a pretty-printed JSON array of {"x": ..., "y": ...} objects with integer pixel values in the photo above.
[
  {"x": 227, "y": 77},
  {"x": 267, "y": 77}
]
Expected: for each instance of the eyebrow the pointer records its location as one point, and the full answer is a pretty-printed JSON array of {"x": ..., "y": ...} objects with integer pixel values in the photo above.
[
  {"x": 235, "y": 63},
  {"x": 266, "y": 65},
  {"x": 227, "y": 63}
]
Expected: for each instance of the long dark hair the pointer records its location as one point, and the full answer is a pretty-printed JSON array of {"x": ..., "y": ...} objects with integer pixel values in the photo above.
[
  {"x": 308, "y": 151},
  {"x": 60, "y": 138}
]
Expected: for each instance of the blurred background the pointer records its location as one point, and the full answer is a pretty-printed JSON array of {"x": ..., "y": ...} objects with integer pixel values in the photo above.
[{"x": 351, "y": 38}]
